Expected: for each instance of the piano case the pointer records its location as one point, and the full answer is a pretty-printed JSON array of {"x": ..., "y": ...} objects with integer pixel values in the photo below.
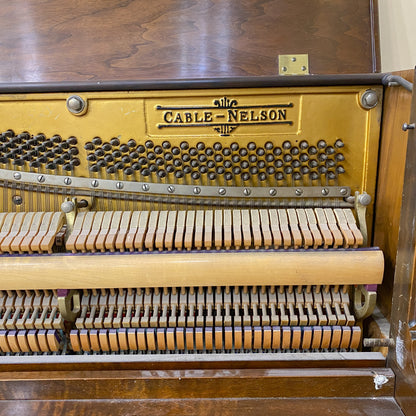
[{"x": 213, "y": 237}]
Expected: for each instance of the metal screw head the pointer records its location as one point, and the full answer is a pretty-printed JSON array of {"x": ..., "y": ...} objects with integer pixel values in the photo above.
[
  {"x": 94, "y": 183},
  {"x": 364, "y": 199},
  {"x": 145, "y": 187},
  {"x": 67, "y": 181},
  {"x": 246, "y": 192},
  {"x": 303, "y": 68},
  {"x": 222, "y": 191},
  {"x": 67, "y": 206},
  {"x": 119, "y": 185},
  {"x": 325, "y": 191},
  {"x": 171, "y": 189},
  {"x": 407, "y": 126},
  {"x": 293, "y": 59},
  {"x": 272, "y": 192},
  {"x": 17, "y": 175},
  {"x": 17, "y": 200},
  {"x": 299, "y": 192},
  {"x": 41, "y": 178},
  {"x": 369, "y": 99},
  {"x": 284, "y": 68},
  {"x": 197, "y": 190},
  {"x": 75, "y": 104},
  {"x": 343, "y": 191}
]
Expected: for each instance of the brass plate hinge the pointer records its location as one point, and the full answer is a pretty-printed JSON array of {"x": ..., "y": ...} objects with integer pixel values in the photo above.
[{"x": 294, "y": 64}]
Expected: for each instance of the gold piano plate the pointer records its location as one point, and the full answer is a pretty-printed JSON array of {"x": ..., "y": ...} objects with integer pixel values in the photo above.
[
  {"x": 165, "y": 221},
  {"x": 248, "y": 138}
]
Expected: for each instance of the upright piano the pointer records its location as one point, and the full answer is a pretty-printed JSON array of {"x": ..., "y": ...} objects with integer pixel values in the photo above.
[{"x": 232, "y": 241}]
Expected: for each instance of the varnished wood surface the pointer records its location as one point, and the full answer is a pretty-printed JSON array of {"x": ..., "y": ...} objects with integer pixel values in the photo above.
[
  {"x": 193, "y": 269},
  {"x": 385, "y": 406},
  {"x": 396, "y": 111},
  {"x": 51, "y": 40},
  {"x": 193, "y": 362},
  {"x": 191, "y": 384},
  {"x": 403, "y": 315}
]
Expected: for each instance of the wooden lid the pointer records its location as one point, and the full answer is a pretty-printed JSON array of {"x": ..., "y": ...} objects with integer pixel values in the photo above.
[{"x": 172, "y": 39}]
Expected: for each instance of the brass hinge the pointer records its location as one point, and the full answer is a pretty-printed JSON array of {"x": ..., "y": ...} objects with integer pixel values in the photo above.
[{"x": 294, "y": 64}]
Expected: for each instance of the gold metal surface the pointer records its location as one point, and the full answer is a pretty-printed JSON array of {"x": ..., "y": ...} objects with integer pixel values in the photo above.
[
  {"x": 209, "y": 118},
  {"x": 69, "y": 305},
  {"x": 364, "y": 308}
]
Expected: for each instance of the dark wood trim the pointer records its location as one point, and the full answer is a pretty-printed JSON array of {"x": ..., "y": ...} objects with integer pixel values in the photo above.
[
  {"x": 390, "y": 176},
  {"x": 403, "y": 315},
  {"x": 375, "y": 35},
  {"x": 166, "y": 84},
  {"x": 190, "y": 361},
  {"x": 382, "y": 406}
]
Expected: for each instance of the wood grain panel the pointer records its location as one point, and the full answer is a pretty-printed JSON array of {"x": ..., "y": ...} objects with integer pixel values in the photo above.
[
  {"x": 396, "y": 111},
  {"x": 384, "y": 406},
  {"x": 51, "y": 40},
  {"x": 193, "y": 269},
  {"x": 403, "y": 314},
  {"x": 188, "y": 362},
  {"x": 192, "y": 384}
]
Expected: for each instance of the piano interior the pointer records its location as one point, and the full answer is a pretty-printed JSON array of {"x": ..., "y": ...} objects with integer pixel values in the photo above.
[{"x": 198, "y": 221}]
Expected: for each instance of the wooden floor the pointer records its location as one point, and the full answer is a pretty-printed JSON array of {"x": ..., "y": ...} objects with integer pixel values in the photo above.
[{"x": 385, "y": 406}]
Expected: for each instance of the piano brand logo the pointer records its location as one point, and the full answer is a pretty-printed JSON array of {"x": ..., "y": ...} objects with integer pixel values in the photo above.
[{"x": 224, "y": 116}]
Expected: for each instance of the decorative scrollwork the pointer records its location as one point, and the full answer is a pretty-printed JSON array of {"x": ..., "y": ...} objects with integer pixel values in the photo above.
[{"x": 225, "y": 103}]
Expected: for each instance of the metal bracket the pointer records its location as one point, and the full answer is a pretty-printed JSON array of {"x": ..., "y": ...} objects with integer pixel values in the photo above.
[
  {"x": 364, "y": 309},
  {"x": 143, "y": 188},
  {"x": 69, "y": 303},
  {"x": 378, "y": 342},
  {"x": 390, "y": 80},
  {"x": 71, "y": 207},
  {"x": 361, "y": 202},
  {"x": 294, "y": 64}
]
